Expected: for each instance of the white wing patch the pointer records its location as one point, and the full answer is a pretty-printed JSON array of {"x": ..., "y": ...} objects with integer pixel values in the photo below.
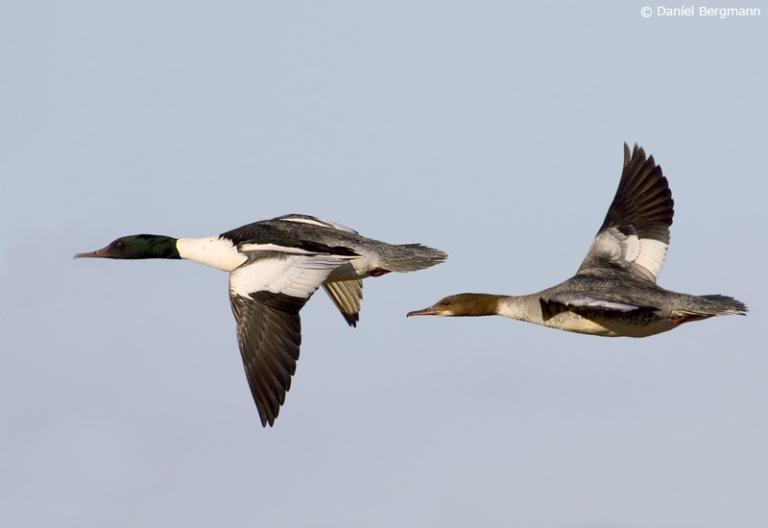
[
  {"x": 306, "y": 219},
  {"x": 600, "y": 303},
  {"x": 614, "y": 245},
  {"x": 652, "y": 254},
  {"x": 297, "y": 276}
]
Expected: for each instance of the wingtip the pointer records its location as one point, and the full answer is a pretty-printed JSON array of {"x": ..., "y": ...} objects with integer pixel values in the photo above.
[
  {"x": 266, "y": 419},
  {"x": 629, "y": 154},
  {"x": 635, "y": 151}
]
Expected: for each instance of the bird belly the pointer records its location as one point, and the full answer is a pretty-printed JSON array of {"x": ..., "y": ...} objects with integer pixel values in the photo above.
[
  {"x": 344, "y": 272},
  {"x": 609, "y": 327},
  {"x": 358, "y": 268}
]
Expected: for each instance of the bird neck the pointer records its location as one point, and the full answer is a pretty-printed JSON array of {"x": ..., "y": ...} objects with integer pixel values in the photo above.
[
  {"x": 216, "y": 252},
  {"x": 477, "y": 304},
  {"x": 520, "y": 307}
]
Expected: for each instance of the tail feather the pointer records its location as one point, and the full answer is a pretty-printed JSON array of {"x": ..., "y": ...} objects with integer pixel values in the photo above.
[
  {"x": 703, "y": 306},
  {"x": 412, "y": 257},
  {"x": 724, "y": 305}
]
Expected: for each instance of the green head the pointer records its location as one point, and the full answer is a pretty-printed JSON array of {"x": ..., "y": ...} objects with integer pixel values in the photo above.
[{"x": 137, "y": 247}]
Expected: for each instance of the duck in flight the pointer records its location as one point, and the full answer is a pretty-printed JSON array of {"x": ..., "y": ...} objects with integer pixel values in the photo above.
[
  {"x": 614, "y": 292},
  {"x": 274, "y": 268}
]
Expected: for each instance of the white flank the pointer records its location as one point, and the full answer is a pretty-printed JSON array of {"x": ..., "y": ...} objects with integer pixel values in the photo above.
[
  {"x": 215, "y": 252},
  {"x": 356, "y": 269},
  {"x": 318, "y": 222},
  {"x": 297, "y": 276},
  {"x": 599, "y": 303}
]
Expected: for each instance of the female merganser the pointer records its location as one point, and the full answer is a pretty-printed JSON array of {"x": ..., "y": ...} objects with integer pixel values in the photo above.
[
  {"x": 274, "y": 268},
  {"x": 614, "y": 292}
]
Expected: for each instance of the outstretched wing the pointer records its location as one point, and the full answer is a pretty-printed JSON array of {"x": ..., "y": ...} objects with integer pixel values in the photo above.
[
  {"x": 266, "y": 294},
  {"x": 635, "y": 233}
]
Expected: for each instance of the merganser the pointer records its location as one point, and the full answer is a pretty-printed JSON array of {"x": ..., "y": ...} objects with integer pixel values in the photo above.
[
  {"x": 274, "y": 268},
  {"x": 614, "y": 292}
]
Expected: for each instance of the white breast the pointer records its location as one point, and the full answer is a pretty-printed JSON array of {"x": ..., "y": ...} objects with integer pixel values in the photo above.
[{"x": 215, "y": 252}]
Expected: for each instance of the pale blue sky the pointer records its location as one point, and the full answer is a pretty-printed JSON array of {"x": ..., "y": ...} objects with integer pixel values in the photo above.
[{"x": 490, "y": 130}]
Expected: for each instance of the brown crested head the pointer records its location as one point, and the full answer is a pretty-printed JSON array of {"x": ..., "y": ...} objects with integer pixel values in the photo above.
[{"x": 462, "y": 305}]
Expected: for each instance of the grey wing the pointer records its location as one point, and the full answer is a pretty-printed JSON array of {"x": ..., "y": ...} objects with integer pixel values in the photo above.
[
  {"x": 269, "y": 334},
  {"x": 635, "y": 233},
  {"x": 347, "y": 296}
]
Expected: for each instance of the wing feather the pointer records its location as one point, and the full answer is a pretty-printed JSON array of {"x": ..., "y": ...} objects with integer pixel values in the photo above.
[
  {"x": 635, "y": 233},
  {"x": 347, "y": 296},
  {"x": 266, "y": 294}
]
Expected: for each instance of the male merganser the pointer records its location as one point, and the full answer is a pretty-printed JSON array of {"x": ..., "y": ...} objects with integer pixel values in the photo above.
[
  {"x": 614, "y": 292},
  {"x": 274, "y": 268}
]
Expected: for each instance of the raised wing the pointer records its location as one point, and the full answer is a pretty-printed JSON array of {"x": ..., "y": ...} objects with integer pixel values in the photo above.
[
  {"x": 635, "y": 233},
  {"x": 266, "y": 294}
]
